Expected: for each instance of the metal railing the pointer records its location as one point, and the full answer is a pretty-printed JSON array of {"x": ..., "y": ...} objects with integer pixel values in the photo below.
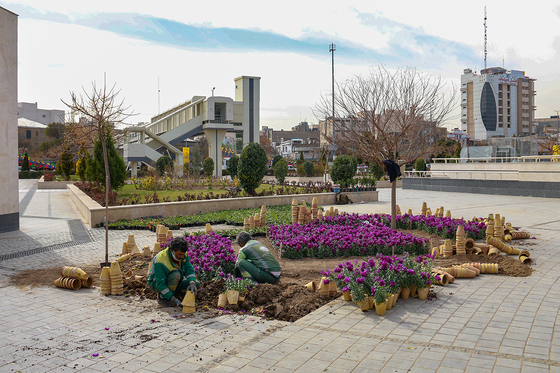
[
  {"x": 486, "y": 175},
  {"x": 522, "y": 159}
]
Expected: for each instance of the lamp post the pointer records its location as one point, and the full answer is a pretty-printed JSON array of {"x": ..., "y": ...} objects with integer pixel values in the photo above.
[
  {"x": 557, "y": 125},
  {"x": 332, "y": 48}
]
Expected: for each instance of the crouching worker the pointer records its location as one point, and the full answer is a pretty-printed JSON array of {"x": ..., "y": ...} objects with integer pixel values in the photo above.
[
  {"x": 172, "y": 274},
  {"x": 255, "y": 261}
]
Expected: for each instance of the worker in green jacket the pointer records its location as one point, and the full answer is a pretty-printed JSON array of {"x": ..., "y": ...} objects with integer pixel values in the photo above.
[
  {"x": 255, "y": 261},
  {"x": 172, "y": 274}
]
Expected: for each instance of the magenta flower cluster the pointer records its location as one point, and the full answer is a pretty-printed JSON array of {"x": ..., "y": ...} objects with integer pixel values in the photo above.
[
  {"x": 343, "y": 235},
  {"x": 210, "y": 255}
]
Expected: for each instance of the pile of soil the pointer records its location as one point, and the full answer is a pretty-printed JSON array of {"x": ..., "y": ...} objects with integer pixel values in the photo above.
[{"x": 287, "y": 300}]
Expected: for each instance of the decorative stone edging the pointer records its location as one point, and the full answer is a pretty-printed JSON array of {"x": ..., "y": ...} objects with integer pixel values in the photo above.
[
  {"x": 42, "y": 184},
  {"x": 94, "y": 213}
]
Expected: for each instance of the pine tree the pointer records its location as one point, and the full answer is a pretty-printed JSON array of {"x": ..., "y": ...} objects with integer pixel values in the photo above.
[{"x": 117, "y": 168}]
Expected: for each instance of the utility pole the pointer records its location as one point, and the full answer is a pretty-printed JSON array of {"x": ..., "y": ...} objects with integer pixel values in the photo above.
[
  {"x": 557, "y": 126},
  {"x": 332, "y": 48}
]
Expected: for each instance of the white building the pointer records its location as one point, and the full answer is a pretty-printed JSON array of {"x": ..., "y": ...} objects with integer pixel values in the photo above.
[
  {"x": 30, "y": 111},
  {"x": 210, "y": 116},
  {"x": 9, "y": 204},
  {"x": 497, "y": 103}
]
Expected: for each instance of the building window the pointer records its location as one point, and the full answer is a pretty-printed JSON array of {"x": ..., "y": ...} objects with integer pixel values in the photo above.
[
  {"x": 488, "y": 108},
  {"x": 508, "y": 95},
  {"x": 28, "y": 134}
]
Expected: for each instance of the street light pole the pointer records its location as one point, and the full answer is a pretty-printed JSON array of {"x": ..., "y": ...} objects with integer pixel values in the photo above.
[{"x": 332, "y": 48}]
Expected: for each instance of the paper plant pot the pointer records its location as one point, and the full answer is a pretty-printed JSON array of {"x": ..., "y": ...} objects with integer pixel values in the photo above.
[
  {"x": 347, "y": 296},
  {"x": 189, "y": 300},
  {"x": 232, "y": 296},
  {"x": 222, "y": 300},
  {"x": 395, "y": 297},
  {"x": 444, "y": 278},
  {"x": 88, "y": 282},
  {"x": 363, "y": 304},
  {"x": 123, "y": 258},
  {"x": 323, "y": 289},
  {"x": 405, "y": 293},
  {"x": 380, "y": 308},
  {"x": 524, "y": 257},
  {"x": 423, "y": 293},
  {"x": 74, "y": 272},
  {"x": 208, "y": 228},
  {"x": 131, "y": 239},
  {"x": 146, "y": 252},
  {"x": 157, "y": 248},
  {"x": 169, "y": 234},
  {"x": 370, "y": 302},
  {"x": 128, "y": 275},
  {"x": 469, "y": 243},
  {"x": 312, "y": 286},
  {"x": 124, "y": 248},
  {"x": 388, "y": 302},
  {"x": 332, "y": 288}
]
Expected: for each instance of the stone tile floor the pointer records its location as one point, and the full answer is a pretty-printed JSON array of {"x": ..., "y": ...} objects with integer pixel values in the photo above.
[{"x": 488, "y": 324}]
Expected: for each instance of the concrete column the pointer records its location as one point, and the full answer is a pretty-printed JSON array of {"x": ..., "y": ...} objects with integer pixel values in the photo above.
[
  {"x": 133, "y": 171},
  {"x": 9, "y": 203},
  {"x": 215, "y": 138}
]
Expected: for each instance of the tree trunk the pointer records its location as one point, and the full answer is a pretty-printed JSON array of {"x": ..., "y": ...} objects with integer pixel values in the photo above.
[
  {"x": 107, "y": 190},
  {"x": 394, "y": 204}
]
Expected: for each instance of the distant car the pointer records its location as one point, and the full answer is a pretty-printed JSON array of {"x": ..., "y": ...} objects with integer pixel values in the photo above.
[
  {"x": 362, "y": 169},
  {"x": 291, "y": 168}
]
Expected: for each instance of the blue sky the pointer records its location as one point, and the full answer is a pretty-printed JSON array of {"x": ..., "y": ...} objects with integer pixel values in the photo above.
[{"x": 191, "y": 48}]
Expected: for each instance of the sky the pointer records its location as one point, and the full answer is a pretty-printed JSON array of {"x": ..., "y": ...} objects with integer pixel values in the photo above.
[{"x": 162, "y": 54}]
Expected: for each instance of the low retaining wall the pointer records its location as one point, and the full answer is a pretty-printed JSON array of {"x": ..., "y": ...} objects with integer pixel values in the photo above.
[
  {"x": 42, "y": 184},
  {"x": 93, "y": 212},
  {"x": 497, "y": 187}
]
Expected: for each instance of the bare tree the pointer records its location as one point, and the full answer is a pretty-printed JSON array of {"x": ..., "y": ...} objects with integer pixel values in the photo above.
[
  {"x": 387, "y": 115},
  {"x": 94, "y": 115}
]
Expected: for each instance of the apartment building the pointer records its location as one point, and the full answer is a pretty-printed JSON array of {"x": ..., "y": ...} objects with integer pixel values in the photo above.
[{"x": 497, "y": 103}]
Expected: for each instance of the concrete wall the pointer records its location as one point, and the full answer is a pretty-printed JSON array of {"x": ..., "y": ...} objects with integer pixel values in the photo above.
[
  {"x": 9, "y": 203},
  {"x": 93, "y": 212},
  {"x": 496, "y": 187},
  {"x": 520, "y": 171}
]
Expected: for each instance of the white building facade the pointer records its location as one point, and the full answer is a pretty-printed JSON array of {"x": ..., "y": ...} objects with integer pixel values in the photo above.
[
  {"x": 497, "y": 103},
  {"x": 30, "y": 111},
  {"x": 9, "y": 203}
]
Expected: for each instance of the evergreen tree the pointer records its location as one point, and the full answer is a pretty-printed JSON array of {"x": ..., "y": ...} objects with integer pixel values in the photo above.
[
  {"x": 232, "y": 165},
  {"x": 117, "y": 168},
  {"x": 208, "y": 167},
  {"x": 66, "y": 163},
  {"x": 25, "y": 163},
  {"x": 281, "y": 170},
  {"x": 164, "y": 164},
  {"x": 252, "y": 167}
]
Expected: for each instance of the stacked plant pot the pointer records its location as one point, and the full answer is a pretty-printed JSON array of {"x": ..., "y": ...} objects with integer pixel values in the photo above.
[
  {"x": 131, "y": 247},
  {"x": 189, "y": 302},
  {"x": 460, "y": 240},
  {"x": 68, "y": 283},
  {"x": 263, "y": 216},
  {"x": 251, "y": 222},
  {"x": 447, "y": 248},
  {"x": 424, "y": 208},
  {"x": 295, "y": 211},
  {"x": 208, "y": 228},
  {"x": 105, "y": 280},
  {"x": 314, "y": 208},
  {"x": 116, "y": 279}
]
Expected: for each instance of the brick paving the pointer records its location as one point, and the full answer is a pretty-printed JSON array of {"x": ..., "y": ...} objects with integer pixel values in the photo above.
[{"x": 487, "y": 324}]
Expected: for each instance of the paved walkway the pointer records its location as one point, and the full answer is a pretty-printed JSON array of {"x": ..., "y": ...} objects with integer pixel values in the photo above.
[{"x": 490, "y": 323}]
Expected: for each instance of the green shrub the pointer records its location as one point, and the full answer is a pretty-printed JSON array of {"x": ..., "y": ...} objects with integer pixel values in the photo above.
[
  {"x": 164, "y": 164},
  {"x": 376, "y": 171},
  {"x": 308, "y": 168},
  {"x": 281, "y": 170},
  {"x": 420, "y": 165},
  {"x": 252, "y": 167},
  {"x": 232, "y": 165},
  {"x": 343, "y": 169},
  {"x": 208, "y": 167},
  {"x": 275, "y": 160}
]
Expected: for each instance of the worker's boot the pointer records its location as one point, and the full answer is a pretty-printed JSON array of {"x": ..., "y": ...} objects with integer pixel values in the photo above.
[{"x": 165, "y": 302}]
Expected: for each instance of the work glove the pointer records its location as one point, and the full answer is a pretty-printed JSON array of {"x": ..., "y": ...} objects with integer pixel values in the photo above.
[
  {"x": 176, "y": 301},
  {"x": 192, "y": 287}
]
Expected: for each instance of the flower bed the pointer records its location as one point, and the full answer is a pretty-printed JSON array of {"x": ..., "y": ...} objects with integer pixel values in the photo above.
[
  {"x": 382, "y": 275},
  {"x": 443, "y": 227},
  {"x": 274, "y": 215},
  {"x": 343, "y": 235},
  {"x": 210, "y": 255}
]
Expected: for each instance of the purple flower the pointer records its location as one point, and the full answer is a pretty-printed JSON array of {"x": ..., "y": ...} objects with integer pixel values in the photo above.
[
  {"x": 428, "y": 282},
  {"x": 438, "y": 278},
  {"x": 360, "y": 280},
  {"x": 95, "y": 355},
  {"x": 107, "y": 328},
  {"x": 381, "y": 282},
  {"x": 326, "y": 281},
  {"x": 347, "y": 280},
  {"x": 392, "y": 283},
  {"x": 372, "y": 291},
  {"x": 152, "y": 320}
]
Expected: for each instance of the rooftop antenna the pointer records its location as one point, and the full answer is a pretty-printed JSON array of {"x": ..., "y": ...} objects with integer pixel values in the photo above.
[
  {"x": 485, "y": 38},
  {"x": 332, "y": 48}
]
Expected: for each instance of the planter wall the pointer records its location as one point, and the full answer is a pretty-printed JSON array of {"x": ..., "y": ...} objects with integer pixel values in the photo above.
[
  {"x": 42, "y": 184},
  {"x": 93, "y": 212}
]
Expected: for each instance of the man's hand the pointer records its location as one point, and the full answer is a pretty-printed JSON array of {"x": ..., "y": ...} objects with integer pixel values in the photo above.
[
  {"x": 192, "y": 287},
  {"x": 176, "y": 301}
]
